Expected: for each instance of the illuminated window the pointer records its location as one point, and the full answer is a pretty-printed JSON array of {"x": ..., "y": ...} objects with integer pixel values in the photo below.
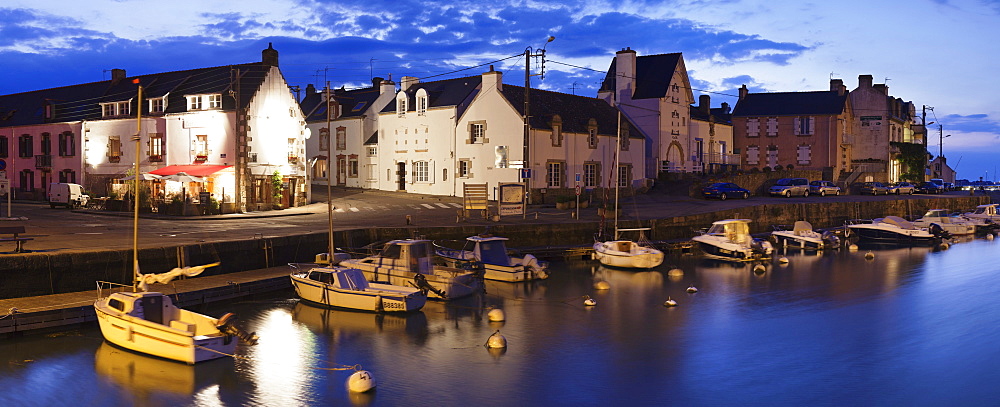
[
  {"x": 155, "y": 147},
  {"x": 114, "y": 149}
]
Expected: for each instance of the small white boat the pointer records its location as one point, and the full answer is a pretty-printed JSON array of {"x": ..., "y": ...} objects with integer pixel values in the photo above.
[
  {"x": 627, "y": 253},
  {"x": 149, "y": 322},
  {"x": 802, "y": 236},
  {"x": 411, "y": 260},
  {"x": 988, "y": 212},
  {"x": 895, "y": 230},
  {"x": 491, "y": 251},
  {"x": 955, "y": 225},
  {"x": 730, "y": 239},
  {"x": 342, "y": 287}
]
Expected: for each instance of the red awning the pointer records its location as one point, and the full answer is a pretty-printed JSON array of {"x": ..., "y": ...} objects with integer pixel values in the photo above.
[{"x": 196, "y": 170}]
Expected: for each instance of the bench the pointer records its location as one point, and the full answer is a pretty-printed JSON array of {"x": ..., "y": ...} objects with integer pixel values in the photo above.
[{"x": 15, "y": 231}]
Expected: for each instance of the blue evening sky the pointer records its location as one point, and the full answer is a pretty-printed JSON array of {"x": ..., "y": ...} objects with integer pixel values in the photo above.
[{"x": 939, "y": 53}]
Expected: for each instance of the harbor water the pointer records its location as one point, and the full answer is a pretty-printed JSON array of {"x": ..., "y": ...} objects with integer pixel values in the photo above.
[{"x": 910, "y": 326}]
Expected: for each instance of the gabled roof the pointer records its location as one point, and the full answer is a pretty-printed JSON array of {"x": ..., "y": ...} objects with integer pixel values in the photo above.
[
  {"x": 354, "y": 103},
  {"x": 574, "y": 111},
  {"x": 718, "y": 114},
  {"x": 443, "y": 93},
  {"x": 653, "y": 74},
  {"x": 791, "y": 103},
  {"x": 82, "y": 102}
]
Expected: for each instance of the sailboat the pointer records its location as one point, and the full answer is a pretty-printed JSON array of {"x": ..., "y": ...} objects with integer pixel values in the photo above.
[
  {"x": 331, "y": 285},
  {"x": 149, "y": 322},
  {"x": 621, "y": 252}
]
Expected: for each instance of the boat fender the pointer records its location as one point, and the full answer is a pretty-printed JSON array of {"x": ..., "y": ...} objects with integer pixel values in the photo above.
[
  {"x": 361, "y": 381},
  {"x": 989, "y": 236}
]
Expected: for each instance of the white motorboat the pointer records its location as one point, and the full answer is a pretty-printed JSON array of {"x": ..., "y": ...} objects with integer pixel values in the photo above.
[
  {"x": 802, "y": 236},
  {"x": 150, "y": 323},
  {"x": 342, "y": 287},
  {"x": 411, "y": 260},
  {"x": 988, "y": 212},
  {"x": 730, "y": 239},
  {"x": 954, "y": 225},
  {"x": 491, "y": 251},
  {"x": 627, "y": 253},
  {"x": 895, "y": 230}
]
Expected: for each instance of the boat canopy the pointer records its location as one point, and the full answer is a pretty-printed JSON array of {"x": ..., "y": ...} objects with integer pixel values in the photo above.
[
  {"x": 898, "y": 222},
  {"x": 801, "y": 226}
]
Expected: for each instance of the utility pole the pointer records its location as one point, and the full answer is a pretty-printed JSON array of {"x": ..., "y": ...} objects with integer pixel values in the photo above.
[{"x": 527, "y": 104}]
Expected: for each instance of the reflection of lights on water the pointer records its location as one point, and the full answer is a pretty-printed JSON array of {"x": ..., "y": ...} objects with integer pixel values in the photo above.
[
  {"x": 209, "y": 396},
  {"x": 279, "y": 360}
]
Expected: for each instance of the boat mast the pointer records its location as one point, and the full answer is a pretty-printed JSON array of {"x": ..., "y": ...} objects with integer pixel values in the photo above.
[
  {"x": 135, "y": 193},
  {"x": 329, "y": 173},
  {"x": 618, "y": 174}
]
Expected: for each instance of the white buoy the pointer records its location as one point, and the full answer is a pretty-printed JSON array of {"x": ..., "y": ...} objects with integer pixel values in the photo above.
[
  {"x": 989, "y": 236},
  {"x": 590, "y": 302},
  {"x": 675, "y": 273},
  {"x": 496, "y": 341},
  {"x": 759, "y": 268},
  {"x": 783, "y": 260},
  {"x": 602, "y": 285},
  {"x": 670, "y": 302},
  {"x": 361, "y": 381},
  {"x": 852, "y": 247},
  {"x": 692, "y": 289},
  {"x": 869, "y": 255},
  {"x": 496, "y": 315}
]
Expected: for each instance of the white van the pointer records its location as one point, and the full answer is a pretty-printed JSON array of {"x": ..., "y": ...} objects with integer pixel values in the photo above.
[{"x": 66, "y": 194}]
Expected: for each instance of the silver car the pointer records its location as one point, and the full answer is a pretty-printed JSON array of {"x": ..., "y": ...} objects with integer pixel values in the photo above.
[
  {"x": 787, "y": 187},
  {"x": 824, "y": 188},
  {"x": 902, "y": 187}
]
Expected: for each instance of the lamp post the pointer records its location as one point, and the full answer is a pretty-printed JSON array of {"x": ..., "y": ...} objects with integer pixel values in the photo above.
[{"x": 527, "y": 94}]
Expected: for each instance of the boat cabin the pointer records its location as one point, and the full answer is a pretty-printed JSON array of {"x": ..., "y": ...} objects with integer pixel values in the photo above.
[
  {"x": 734, "y": 230},
  {"x": 491, "y": 250},
  {"x": 411, "y": 255},
  {"x": 343, "y": 278}
]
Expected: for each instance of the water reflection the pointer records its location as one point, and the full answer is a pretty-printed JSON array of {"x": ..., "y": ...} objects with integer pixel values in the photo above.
[
  {"x": 336, "y": 323},
  {"x": 148, "y": 378}
]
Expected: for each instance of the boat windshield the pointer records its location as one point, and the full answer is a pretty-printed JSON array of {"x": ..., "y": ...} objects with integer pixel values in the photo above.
[
  {"x": 493, "y": 252},
  {"x": 935, "y": 213}
]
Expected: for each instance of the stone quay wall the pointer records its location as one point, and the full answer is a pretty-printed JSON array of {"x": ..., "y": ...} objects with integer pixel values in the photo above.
[{"x": 35, "y": 274}]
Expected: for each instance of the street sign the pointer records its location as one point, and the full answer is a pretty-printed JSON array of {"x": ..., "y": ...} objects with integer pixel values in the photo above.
[
  {"x": 578, "y": 177},
  {"x": 577, "y": 190},
  {"x": 525, "y": 173},
  {"x": 3, "y": 164},
  {"x": 4, "y": 186}
]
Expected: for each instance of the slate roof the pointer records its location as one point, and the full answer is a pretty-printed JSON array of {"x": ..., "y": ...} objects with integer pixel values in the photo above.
[
  {"x": 575, "y": 111},
  {"x": 449, "y": 92},
  {"x": 354, "y": 103},
  {"x": 82, "y": 102},
  {"x": 791, "y": 103},
  {"x": 652, "y": 75},
  {"x": 719, "y": 114}
]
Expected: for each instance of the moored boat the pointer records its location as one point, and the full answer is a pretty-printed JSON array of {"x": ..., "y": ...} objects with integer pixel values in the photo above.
[
  {"x": 406, "y": 260},
  {"x": 341, "y": 287},
  {"x": 491, "y": 252},
  {"x": 627, "y": 253},
  {"x": 954, "y": 225},
  {"x": 802, "y": 235},
  {"x": 895, "y": 230},
  {"x": 730, "y": 239}
]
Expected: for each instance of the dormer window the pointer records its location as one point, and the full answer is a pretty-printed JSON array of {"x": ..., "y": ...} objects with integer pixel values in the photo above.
[
  {"x": 202, "y": 102},
  {"x": 401, "y": 104},
  {"x": 215, "y": 101},
  {"x": 115, "y": 109},
  {"x": 421, "y": 102},
  {"x": 157, "y": 105}
]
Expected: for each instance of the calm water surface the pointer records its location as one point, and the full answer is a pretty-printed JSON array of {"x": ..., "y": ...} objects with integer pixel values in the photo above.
[{"x": 911, "y": 327}]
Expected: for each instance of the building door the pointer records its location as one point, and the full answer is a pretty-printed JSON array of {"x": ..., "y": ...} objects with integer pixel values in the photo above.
[
  {"x": 401, "y": 176},
  {"x": 341, "y": 170}
]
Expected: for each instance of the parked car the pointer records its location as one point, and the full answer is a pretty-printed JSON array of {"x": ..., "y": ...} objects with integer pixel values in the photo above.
[
  {"x": 724, "y": 190},
  {"x": 872, "y": 188},
  {"x": 901, "y": 187},
  {"x": 822, "y": 188},
  {"x": 929, "y": 188},
  {"x": 67, "y": 194},
  {"x": 787, "y": 187}
]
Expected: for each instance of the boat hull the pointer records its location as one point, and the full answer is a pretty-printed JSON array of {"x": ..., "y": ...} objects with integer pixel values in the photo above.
[
  {"x": 640, "y": 257},
  {"x": 901, "y": 237},
  {"x": 791, "y": 241},
  {"x": 378, "y": 298},
  {"x": 161, "y": 340}
]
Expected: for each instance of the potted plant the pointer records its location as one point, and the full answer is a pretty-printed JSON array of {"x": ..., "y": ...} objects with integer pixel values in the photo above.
[{"x": 565, "y": 201}]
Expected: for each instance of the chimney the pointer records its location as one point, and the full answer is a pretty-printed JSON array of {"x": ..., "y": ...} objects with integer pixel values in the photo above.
[
  {"x": 882, "y": 88},
  {"x": 744, "y": 91},
  {"x": 704, "y": 104},
  {"x": 837, "y": 85},
  {"x": 377, "y": 81},
  {"x": 624, "y": 74},
  {"x": 117, "y": 75},
  {"x": 864, "y": 81},
  {"x": 407, "y": 82},
  {"x": 310, "y": 90},
  {"x": 386, "y": 86},
  {"x": 493, "y": 79},
  {"x": 269, "y": 56},
  {"x": 725, "y": 108}
]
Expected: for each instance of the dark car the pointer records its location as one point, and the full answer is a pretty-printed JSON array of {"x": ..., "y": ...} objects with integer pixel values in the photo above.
[
  {"x": 724, "y": 190},
  {"x": 929, "y": 188},
  {"x": 901, "y": 187},
  {"x": 872, "y": 188}
]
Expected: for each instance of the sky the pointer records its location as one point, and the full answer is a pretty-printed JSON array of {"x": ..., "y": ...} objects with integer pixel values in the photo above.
[{"x": 942, "y": 54}]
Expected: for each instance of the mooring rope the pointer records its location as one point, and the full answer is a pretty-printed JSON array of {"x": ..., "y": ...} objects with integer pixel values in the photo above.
[{"x": 356, "y": 367}]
